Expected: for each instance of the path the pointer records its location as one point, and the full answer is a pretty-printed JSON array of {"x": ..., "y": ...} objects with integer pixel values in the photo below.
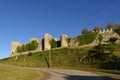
[{"x": 61, "y": 74}]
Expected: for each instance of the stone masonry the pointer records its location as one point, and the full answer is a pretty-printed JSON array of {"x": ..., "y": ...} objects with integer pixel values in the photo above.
[
  {"x": 47, "y": 39},
  {"x": 44, "y": 44},
  {"x": 63, "y": 39},
  {"x": 39, "y": 43},
  {"x": 14, "y": 46}
]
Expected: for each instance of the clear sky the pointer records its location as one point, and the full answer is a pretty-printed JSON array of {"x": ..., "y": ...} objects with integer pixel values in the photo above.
[{"x": 21, "y": 20}]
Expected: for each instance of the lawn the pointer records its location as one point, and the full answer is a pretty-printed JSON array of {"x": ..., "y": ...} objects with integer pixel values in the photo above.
[{"x": 11, "y": 73}]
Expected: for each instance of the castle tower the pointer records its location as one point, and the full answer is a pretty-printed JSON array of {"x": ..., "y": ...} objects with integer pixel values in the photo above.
[
  {"x": 14, "y": 46},
  {"x": 63, "y": 39},
  {"x": 39, "y": 43},
  {"x": 47, "y": 39}
]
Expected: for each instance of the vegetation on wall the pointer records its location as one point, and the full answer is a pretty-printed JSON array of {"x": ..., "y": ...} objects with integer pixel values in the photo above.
[
  {"x": 100, "y": 38},
  {"x": 33, "y": 45},
  {"x": 68, "y": 41},
  {"x": 87, "y": 38},
  {"x": 117, "y": 30},
  {"x": 53, "y": 43}
]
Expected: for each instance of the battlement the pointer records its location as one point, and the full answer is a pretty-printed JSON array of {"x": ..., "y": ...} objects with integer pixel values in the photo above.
[{"x": 44, "y": 44}]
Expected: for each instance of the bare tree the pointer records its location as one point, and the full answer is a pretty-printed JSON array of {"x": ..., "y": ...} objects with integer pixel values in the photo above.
[
  {"x": 97, "y": 28},
  {"x": 85, "y": 31}
]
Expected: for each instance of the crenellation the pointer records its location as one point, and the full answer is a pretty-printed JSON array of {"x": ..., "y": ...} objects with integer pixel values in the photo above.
[{"x": 44, "y": 44}]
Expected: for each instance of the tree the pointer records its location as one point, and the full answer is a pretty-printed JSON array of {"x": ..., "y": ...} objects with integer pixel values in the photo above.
[
  {"x": 23, "y": 48},
  {"x": 100, "y": 38},
  {"x": 112, "y": 41},
  {"x": 33, "y": 45},
  {"x": 97, "y": 28},
  {"x": 53, "y": 43},
  {"x": 101, "y": 48},
  {"x": 18, "y": 49},
  {"x": 85, "y": 31},
  {"x": 117, "y": 30}
]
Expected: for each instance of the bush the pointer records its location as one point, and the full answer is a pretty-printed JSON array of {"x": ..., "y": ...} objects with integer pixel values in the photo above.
[
  {"x": 33, "y": 45},
  {"x": 53, "y": 43},
  {"x": 117, "y": 30},
  {"x": 87, "y": 38}
]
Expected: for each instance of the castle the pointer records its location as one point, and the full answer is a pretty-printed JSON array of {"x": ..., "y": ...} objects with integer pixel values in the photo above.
[{"x": 44, "y": 44}]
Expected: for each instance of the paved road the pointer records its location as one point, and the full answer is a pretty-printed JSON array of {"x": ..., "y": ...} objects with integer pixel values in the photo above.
[{"x": 61, "y": 74}]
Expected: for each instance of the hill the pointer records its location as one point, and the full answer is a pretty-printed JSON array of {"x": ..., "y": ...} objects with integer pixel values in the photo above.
[{"x": 86, "y": 57}]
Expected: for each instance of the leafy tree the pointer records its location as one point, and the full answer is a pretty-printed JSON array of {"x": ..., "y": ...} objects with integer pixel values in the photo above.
[
  {"x": 112, "y": 40},
  {"x": 23, "y": 47},
  {"x": 33, "y": 45},
  {"x": 18, "y": 49},
  {"x": 117, "y": 30},
  {"x": 27, "y": 47},
  {"x": 53, "y": 43}
]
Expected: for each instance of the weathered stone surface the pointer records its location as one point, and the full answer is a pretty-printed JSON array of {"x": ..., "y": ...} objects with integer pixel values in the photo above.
[
  {"x": 47, "y": 39},
  {"x": 107, "y": 34},
  {"x": 39, "y": 43},
  {"x": 63, "y": 39},
  {"x": 44, "y": 44},
  {"x": 14, "y": 46}
]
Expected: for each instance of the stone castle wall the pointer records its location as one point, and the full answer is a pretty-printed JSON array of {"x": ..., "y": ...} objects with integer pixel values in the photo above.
[
  {"x": 63, "y": 39},
  {"x": 107, "y": 34},
  {"x": 44, "y": 44},
  {"x": 47, "y": 39},
  {"x": 14, "y": 46},
  {"x": 39, "y": 43}
]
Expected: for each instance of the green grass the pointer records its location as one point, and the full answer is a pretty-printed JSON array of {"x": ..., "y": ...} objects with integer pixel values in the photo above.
[
  {"x": 12, "y": 73},
  {"x": 82, "y": 58}
]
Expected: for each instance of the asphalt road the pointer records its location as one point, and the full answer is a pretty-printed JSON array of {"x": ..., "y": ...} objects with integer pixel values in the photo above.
[{"x": 62, "y": 74}]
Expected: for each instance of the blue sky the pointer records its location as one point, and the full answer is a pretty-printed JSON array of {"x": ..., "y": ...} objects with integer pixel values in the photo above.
[{"x": 21, "y": 20}]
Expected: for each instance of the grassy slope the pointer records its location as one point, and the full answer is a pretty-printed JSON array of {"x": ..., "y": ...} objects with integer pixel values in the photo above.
[
  {"x": 10, "y": 73},
  {"x": 61, "y": 58}
]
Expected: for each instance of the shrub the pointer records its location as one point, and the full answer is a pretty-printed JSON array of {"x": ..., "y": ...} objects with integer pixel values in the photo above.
[
  {"x": 53, "y": 43},
  {"x": 117, "y": 30},
  {"x": 33, "y": 45},
  {"x": 87, "y": 38}
]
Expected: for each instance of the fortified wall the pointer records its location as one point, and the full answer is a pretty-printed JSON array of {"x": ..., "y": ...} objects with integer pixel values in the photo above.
[
  {"x": 63, "y": 39},
  {"x": 44, "y": 44},
  {"x": 108, "y": 33},
  {"x": 14, "y": 46}
]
